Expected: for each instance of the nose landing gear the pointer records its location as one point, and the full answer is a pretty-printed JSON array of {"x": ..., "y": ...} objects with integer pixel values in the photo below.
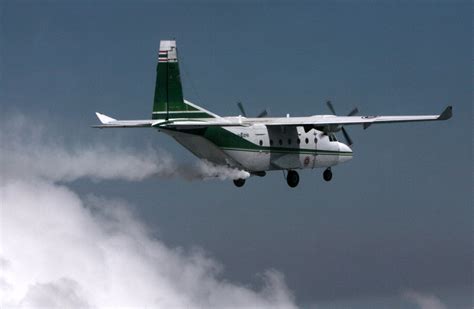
[
  {"x": 292, "y": 178},
  {"x": 327, "y": 175}
]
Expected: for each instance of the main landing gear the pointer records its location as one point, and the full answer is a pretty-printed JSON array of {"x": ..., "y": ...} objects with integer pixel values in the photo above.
[
  {"x": 327, "y": 175},
  {"x": 239, "y": 182},
  {"x": 292, "y": 178}
]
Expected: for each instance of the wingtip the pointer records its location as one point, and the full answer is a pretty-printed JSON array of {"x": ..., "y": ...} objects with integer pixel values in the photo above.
[
  {"x": 104, "y": 119},
  {"x": 446, "y": 114}
]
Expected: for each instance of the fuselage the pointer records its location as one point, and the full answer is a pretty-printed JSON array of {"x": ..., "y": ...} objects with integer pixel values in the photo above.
[{"x": 259, "y": 148}]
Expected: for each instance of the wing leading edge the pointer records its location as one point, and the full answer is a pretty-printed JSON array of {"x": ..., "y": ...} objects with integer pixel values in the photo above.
[
  {"x": 367, "y": 120},
  {"x": 328, "y": 121}
]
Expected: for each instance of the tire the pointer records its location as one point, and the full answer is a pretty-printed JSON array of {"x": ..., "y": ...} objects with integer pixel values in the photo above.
[
  {"x": 327, "y": 175},
  {"x": 239, "y": 182},
  {"x": 292, "y": 179}
]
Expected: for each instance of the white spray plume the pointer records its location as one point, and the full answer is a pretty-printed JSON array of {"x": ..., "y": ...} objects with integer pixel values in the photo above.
[{"x": 27, "y": 149}]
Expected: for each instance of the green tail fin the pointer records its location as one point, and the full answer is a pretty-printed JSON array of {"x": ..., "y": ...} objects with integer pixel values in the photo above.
[{"x": 168, "y": 102}]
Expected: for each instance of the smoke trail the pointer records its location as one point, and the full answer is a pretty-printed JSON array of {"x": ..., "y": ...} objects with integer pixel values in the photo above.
[{"x": 28, "y": 149}]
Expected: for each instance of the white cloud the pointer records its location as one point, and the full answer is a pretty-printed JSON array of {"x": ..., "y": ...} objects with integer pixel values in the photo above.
[
  {"x": 424, "y": 301},
  {"x": 63, "y": 293},
  {"x": 59, "y": 249}
]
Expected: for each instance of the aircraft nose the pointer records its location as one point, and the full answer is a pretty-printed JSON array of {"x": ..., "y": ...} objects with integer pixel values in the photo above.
[
  {"x": 344, "y": 148},
  {"x": 345, "y": 153}
]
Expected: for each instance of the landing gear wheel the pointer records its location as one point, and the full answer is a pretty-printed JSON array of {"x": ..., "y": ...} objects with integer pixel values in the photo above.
[
  {"x": 327, "y": 175},
  {"x": 292, "y": 178},
  {"x": 239, "y": 182}
]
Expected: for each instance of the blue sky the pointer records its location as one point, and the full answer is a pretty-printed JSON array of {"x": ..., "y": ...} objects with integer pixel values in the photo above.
[{"x": 398, "y": 217}]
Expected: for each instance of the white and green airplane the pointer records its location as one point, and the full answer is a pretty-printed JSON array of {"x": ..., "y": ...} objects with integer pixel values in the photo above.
[{"x": 255, "y": 145}]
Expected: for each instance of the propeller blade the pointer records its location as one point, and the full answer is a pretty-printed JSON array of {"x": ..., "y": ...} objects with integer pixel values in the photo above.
[
  {"x": 262, "y": 114},
  {"x": 241, "y": 108},
  {"x": 344, "y": 132},
  {"x": 346, "y": 136},
  {"x": 331, "y": 108},
  {"x": 353, "y": 112}
]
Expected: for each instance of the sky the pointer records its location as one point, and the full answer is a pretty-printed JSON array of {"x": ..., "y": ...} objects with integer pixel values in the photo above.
[{"x": 392, "y": 229}]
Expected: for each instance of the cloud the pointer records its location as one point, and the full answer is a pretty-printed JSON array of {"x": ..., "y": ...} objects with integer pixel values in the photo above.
[
  {"x": 59, "y": 249},
  {"x": 62, "y": 293},
  {"x": 424, "y": 301}
]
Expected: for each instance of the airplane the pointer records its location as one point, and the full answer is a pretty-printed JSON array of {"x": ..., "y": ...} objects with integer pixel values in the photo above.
[{"x": 255, "y": 145}]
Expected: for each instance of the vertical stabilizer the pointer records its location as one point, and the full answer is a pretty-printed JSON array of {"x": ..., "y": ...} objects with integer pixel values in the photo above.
[{"x": 168, "y": 102}]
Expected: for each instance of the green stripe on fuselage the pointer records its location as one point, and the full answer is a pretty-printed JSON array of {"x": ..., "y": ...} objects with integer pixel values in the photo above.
[
  {"x": 293, "y": 151},
  {"x": 227, "y": 140}
]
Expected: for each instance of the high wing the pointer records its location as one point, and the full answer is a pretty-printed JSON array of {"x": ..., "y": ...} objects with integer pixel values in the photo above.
[
  {"x": 366, "y": 121},
  {"x": 331, "y": 122},
  {"x": 109, "y": 122}
]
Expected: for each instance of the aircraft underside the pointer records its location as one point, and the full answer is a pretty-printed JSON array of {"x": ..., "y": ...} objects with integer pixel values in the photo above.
[{"x": 258, "y": 150}]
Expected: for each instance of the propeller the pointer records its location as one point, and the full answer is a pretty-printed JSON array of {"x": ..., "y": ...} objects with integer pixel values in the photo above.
[
  {"x": 344, "y": 132},
  {"x": 241, "y": 108},
  {"x": 262, "y": 114}
]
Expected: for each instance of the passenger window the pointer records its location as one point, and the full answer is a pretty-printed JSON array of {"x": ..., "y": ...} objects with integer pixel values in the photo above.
[
  {"x": 261, "y": 142},
  {"x": 289, "y": 141},
  {"x": 298, "y": 141},
  {"x": 271, "y": 142},
  {"x": 315, "y": 140},
  {"x": 280, "y": 142},
  {"x": 306, "y": 140}
]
